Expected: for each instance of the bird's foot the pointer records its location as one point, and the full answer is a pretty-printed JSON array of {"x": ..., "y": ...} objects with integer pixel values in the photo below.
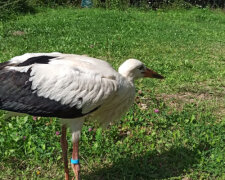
[{"x": 76, "y": 170}]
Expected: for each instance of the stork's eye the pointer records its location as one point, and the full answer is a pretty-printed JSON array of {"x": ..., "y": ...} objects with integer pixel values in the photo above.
[{"x": 141, "y": 68}]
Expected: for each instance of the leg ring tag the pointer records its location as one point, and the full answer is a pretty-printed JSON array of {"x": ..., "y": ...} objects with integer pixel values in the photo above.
[{"x": 74, "y": 161}]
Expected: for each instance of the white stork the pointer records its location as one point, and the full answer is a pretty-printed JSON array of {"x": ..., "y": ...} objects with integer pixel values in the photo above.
[{"x": 70, "y": 87}]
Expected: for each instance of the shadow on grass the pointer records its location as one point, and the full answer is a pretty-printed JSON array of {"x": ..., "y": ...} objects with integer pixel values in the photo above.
[{"x": 152, "y": 165}]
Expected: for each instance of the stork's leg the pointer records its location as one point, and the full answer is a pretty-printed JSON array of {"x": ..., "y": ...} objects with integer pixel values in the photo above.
[
  {"x": 75, "y": 126},
  {"x": 64, "y": 146},
  {"x": 75, "y": 158}
]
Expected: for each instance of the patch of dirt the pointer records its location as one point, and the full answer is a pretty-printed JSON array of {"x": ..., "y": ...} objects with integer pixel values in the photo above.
[
  {"x": 186, "y": 178},
  {"x": 18, "y": 33},
  {"x": 212, "y": 95},
  {"x": 177, "y": 101}
]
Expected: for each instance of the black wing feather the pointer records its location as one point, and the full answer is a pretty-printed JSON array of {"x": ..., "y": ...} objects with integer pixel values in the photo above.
[
  {"x": 37, "y": 59},
  {"x": 16, "y": 95}
]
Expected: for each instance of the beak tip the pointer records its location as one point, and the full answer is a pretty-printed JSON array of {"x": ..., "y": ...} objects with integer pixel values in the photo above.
[
  {"x": 152, "y": 74},
  {"x": 158, "y": 76}
]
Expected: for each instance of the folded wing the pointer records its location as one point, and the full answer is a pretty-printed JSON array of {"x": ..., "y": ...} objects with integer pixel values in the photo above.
[{"x": 52, "y": 85}]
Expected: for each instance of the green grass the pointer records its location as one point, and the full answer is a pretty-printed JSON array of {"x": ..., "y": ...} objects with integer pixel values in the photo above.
[{"x": 184, "y": 140}]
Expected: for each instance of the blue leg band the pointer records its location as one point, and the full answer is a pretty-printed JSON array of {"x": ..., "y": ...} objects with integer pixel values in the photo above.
[{"x": 74, "y": 161}]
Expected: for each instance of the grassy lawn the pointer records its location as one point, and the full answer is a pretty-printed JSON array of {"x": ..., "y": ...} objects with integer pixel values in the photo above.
[{"x": 185, "y": 139}]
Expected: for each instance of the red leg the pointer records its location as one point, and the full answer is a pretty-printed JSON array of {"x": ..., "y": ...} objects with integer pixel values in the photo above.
[
  {"x": 64, "y": 146},
  {"x": 75, "y": 156}
]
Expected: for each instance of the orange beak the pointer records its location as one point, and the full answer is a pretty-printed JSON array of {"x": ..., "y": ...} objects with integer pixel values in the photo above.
[{"x": 152, "y": 74}]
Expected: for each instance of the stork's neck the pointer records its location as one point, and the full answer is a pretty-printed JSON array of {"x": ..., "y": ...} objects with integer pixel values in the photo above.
[{"x": 129, "y": 76}]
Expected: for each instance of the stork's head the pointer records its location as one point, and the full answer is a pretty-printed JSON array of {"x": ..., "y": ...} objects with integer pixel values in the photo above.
[{"x": 134, "y": 69}]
